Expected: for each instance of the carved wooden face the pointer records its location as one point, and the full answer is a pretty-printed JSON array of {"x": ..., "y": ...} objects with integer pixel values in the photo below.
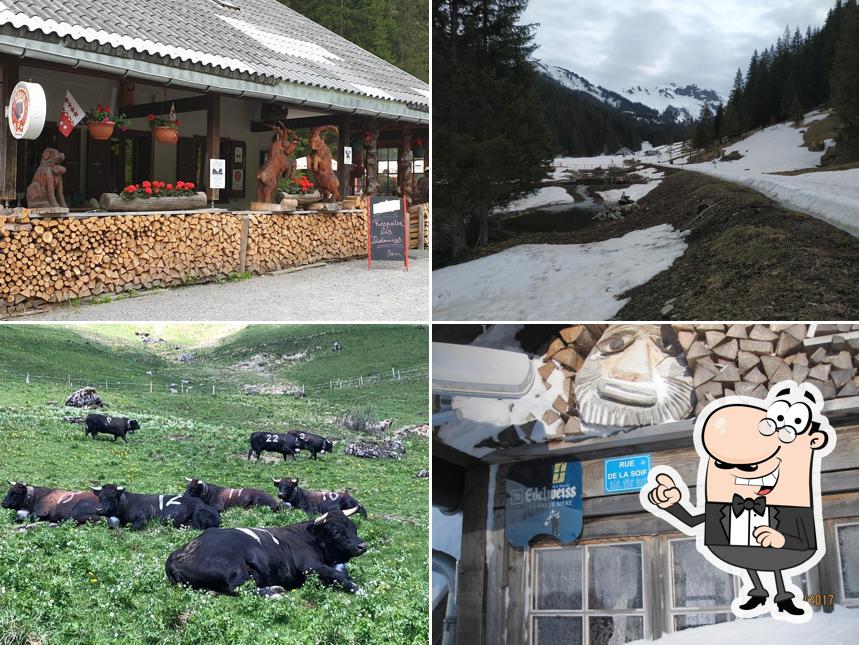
[{"x": 635, "y": 375}]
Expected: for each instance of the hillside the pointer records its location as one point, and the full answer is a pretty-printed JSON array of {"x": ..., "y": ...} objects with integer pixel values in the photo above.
[{"x": 91, "y": 584}]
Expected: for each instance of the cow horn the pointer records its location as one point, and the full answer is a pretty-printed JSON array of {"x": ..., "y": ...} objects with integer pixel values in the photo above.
[
  {"x": 188, "y": 479},
  {"x": 276, "y": 481},
  {"x": 96, "y": 488},
  {"x": 320, "y": 519},
  {"x": 350, "y": 511},
  {"x": 11, "y": 483},
  {"x": 294, "y": 481},
  {"x": 120, "y": 488}
]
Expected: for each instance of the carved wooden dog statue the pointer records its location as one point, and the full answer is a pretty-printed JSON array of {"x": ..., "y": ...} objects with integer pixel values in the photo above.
[
  {"x": 279, "y": 162},
  {"x": 321, "y": 164},
  {"x": 46, "y": 189}
]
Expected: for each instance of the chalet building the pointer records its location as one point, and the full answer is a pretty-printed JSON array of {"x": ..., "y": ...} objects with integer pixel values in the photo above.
[
  {"x": 228, "y": 67},
  {"x": 525, "y": 414}
]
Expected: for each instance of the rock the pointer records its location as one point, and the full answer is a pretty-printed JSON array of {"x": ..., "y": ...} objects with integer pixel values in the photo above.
[
  {"x": 185, "y": 357},
  {"x": 74, "y": 419},
  {"x": 667, "y": 309},
  {"x": 422, "y": 473},
  {"x": 86, "y": 397},
  {"x": 376, "y": 450}
]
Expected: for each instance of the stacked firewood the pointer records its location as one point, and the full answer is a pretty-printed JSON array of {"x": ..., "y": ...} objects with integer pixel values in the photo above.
[
  {"x": 415, "y": 213},
  {"x": 566, "y": 352},
  {"x": 54, "y": 260},
  {"x": 278, "y": 241},
  {"x": 750, "y": 359}
]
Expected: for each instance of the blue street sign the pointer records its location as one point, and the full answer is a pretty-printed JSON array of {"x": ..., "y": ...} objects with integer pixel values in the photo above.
[
  {"x": 544, "y": 498},
  {"x": 625, "y": 474}
]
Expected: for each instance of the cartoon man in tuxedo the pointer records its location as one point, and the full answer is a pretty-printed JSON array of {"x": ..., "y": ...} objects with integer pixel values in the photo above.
[{"x": 758, "y": 492}]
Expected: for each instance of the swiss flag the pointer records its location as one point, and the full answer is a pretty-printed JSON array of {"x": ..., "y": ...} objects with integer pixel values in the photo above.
[{"x": 72, "y": 115}]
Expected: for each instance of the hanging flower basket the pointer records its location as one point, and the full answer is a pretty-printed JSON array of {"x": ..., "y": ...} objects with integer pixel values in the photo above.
[
  {"x": 101, "y": 122},
  {"x": 101, "y": 130},
  {"x": 165, "y": 130},
  {"x": 164, "y": 134}
]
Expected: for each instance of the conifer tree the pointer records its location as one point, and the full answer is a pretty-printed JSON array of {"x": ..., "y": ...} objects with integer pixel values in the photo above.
[{"x": 845, "y": 79}]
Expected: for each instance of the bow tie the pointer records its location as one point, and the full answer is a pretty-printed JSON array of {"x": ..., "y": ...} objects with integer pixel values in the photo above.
[{"x": 738, "y": 505}]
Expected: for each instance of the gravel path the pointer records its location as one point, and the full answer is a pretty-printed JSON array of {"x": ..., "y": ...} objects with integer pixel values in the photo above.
[{"x": 341, "y": 291}]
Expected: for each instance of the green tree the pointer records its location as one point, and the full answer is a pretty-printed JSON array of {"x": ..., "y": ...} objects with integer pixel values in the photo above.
[
  {"x": 396, "y": 31},
  {"x": 845, "y": 79},
  {"x": 491, "y": 143}
]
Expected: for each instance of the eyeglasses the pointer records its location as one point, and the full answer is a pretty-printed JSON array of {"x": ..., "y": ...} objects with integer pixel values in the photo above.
[{"x": 786, "y": 434}]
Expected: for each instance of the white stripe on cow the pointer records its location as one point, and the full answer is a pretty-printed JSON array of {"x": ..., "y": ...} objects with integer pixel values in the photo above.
[
  {"x": 276, "y": 541},
  {"x": 173, "y": 501},
  {"x": 67, "y": 498},
  {"x": 252, "y": 534},
  {"x": 161, "y": 502}
]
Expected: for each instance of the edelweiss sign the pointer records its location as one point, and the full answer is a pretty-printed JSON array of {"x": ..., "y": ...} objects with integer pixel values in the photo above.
[{"x": 544, "y": 498}]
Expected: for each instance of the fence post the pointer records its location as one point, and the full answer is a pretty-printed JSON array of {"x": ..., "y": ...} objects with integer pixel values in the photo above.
[
  {"x": 27, "y": 380},
  {"x": 361, "y": 381},
  {"x": 213, "y": 389},
  {"x": 393, "y": 377},
  {"x": 150, "y": 386},
  {"x": 70, "y": 380}
]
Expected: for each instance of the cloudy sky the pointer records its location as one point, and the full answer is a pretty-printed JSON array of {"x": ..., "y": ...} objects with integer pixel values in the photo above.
[{"x": 618, "y": 43}]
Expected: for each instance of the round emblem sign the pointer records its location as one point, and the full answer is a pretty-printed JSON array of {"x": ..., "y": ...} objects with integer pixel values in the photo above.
[{"x": 27, "y": 110}]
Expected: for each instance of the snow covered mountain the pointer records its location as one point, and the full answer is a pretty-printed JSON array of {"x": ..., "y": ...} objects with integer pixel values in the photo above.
[
  {"x": 664, "y": 103},
  {"x": 681, "y": 103},
  {"x": 576, "y": 83}
]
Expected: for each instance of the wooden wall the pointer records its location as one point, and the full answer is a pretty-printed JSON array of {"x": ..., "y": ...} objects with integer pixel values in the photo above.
[{"x": 506, "y": 588}]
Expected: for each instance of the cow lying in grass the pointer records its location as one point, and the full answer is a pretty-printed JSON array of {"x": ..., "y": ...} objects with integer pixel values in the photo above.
[
  {"x": 277, "y": 558},
  {"x": 50, "y": 504},
  {"x": 312, "y": 443},
  {"x": 224, "y": 498},
  {"x": 116, "y": 426},
  {"x": 315, "y": 502},
  {"x": 137, "y": 510},
  {"x": 281, "y": 442}
]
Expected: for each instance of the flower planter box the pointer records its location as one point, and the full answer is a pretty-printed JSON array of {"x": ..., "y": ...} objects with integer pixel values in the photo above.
[
  {"x": 101, "y": 130},
  {"x": 113, "y": 202},
  {"x": 307, "y": 198},
  {"x": 164, "y": 134}
]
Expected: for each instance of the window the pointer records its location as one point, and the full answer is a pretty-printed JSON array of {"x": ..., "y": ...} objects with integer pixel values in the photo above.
[
  {"x": 848, "y": 561},
  {"x": 388, "y": 171},
  {"x": 590, "y": 594},
  {"x": 701, "y": 594}
]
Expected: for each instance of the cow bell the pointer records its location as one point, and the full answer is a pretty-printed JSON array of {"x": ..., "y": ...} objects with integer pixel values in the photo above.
[{"x": 113, "y": 522}]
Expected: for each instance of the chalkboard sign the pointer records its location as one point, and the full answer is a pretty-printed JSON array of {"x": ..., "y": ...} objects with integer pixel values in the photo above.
[{"x": 386, "y": 230}]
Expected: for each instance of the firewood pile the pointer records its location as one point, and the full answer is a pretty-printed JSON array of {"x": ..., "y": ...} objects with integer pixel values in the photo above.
[
  {"x": 414, "y": 222},
  {"x": 376, "y": 449},
  {"x": 54, "y": 260},
  {"x": 280, "y": 241},
  {"x": 566, "y": 352},
  {"x": 749, "y": 359}
]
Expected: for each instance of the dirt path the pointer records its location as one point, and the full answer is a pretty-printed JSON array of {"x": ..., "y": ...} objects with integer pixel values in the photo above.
[
  {"x": 748, "y": 258},
  {"x": 338, "y": 291}
]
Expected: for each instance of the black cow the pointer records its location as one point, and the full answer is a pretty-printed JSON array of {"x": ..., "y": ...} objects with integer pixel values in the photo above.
[
  {"x": 137, "y": 510},
  {"x": 117, "y": 426},
  {"x": 277, "y": 558},
  {"x": 224, "y": 498},
  {"x": 281, "y": 442},
  {"x": 315, "y": 502},
  {"x": 312, "y": 443},
  {"x": 50, "y": 504}
]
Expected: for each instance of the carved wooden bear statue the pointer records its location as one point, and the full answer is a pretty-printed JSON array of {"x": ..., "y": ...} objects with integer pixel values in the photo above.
[{"x": 46, "y": 189}]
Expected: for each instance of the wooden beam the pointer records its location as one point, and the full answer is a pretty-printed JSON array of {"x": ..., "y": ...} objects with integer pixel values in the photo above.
[
  {"x": 305, "y": 122},
  {"x": 191, "y": 104},
  {"x": 471, "y": 586},
  {"x": 8, "y": 143},
  {"x": 213, "y": 140},
  {"x": 343, "y": 170}
]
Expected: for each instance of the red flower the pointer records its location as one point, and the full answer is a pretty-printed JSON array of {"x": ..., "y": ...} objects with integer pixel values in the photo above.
[
  {"x": 131, "y": 188},
  {"x": 147, "y": 184},
  {"x": 180, "y": 184},
  {"x": 98, "y": 108},
  {"x": 169, "y": 186},
  {"x": 148, "y": 190},
  {"x": 151, "y": 118},
  {"x": 189, "y": 185}
]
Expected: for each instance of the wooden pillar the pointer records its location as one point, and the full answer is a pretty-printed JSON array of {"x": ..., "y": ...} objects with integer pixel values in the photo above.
[
  {"x": 344, "y": 174},
  {"x": 213, "y": 140},
  {"x": 8, "y": 143},
  {"x": 471, "y": 595}
]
